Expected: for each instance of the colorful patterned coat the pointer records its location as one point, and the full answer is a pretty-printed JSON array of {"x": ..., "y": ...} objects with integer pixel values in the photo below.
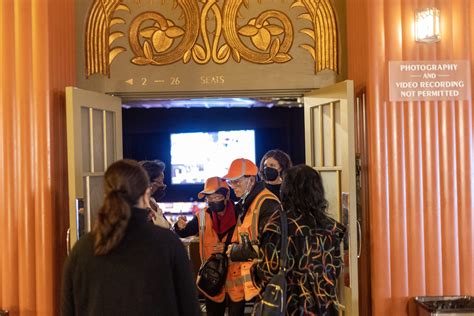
[{"x": 314, "y": 262}]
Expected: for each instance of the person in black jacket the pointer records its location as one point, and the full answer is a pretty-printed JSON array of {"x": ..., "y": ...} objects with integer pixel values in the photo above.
[
  {"x": 314, "y": 246},
  {"x": 127, "y": 265},
  {"x": 255, "y": 207},
  {"x": 155, "y": 170},
  {"x": 271, "y": 169}
]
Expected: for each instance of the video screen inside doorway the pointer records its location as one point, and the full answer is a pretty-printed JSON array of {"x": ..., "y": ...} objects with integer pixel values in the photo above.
[{"x": 198, "y": 156}]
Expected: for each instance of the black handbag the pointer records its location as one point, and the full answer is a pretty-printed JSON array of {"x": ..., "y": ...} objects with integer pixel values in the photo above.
[
  {"x": 273, "y": 302},
  {"x": 213, "y": 273}
]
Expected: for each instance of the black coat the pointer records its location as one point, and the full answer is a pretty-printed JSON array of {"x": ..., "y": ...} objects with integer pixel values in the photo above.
[
  {"x": 314, "y": 262},
  {"x": 148, "y": 273}
]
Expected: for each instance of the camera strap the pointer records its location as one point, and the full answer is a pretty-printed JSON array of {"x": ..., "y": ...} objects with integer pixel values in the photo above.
[{"x": 228, "y": 239}]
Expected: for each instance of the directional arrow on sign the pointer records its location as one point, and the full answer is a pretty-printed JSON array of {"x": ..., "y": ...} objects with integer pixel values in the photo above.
[{"x": 130, "y": 81}]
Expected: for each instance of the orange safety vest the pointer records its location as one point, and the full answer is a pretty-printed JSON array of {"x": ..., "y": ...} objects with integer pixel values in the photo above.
[
  {"x": 250, "y": 226},
  {"x": 207, "y": 240}
]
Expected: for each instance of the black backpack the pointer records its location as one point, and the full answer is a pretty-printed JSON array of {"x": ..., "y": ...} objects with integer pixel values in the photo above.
[{"x": 213, "y": 273}]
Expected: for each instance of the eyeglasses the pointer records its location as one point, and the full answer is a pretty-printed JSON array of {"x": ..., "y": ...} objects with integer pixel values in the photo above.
[
  {"x": 214, "y": 198},
  {"x": 235, "y": 182}
]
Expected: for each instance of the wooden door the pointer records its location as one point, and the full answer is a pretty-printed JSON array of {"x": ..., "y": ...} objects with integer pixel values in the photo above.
[
  {"x": 94, "y": 141},
  {"x": 330, "y": 139}
]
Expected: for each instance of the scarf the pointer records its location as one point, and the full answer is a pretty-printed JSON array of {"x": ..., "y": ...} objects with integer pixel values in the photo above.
[{"x": 222, "y": 224}]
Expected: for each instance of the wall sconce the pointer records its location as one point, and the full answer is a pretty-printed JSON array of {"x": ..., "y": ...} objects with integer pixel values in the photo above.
[{"x": 427, "y": 25}]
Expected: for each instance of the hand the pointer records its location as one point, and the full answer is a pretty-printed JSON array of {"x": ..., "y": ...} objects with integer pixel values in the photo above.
[
  {"x": 229, "y": 249},
  {"x": 219, "y": 247},
  {"x": 153, "y": 205},
  {"x": 181, "y": 222},
  {"x": 151, "y": 215}
]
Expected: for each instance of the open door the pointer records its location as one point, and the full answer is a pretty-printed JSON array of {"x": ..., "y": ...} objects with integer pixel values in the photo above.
[
  {"x": 94, "y": 141},
  {"x": 330, "y": 143}
]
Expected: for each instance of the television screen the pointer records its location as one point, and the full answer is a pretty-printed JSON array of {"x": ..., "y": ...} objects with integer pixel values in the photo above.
[{"x": 198, "y": 156}]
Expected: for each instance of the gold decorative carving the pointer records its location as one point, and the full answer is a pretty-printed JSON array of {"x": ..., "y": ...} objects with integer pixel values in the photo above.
[
  {"x": 157, "y": 40},
  {"x": 154, "y": 45},
  {"x": 99, "y": 39},
  {"x": 264, "y": 36},
  {"x": 151, "y": 45},
  {"x": 324, "y": 48}
]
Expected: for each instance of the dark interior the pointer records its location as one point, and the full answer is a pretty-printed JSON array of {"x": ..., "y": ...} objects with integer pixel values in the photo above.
[{"x": 146, "y": 134}]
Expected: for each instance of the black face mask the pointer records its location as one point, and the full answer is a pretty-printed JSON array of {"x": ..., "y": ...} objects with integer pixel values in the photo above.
[
  {"x": 270, "y": 174},
  {"x": 159, "y": 193},
  {"x": 216, "y": 206}
]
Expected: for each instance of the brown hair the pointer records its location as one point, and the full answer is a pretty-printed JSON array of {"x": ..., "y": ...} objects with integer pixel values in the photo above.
[
  {"x": 125, "y": 181},
  {"x": 282, "y": 157}
]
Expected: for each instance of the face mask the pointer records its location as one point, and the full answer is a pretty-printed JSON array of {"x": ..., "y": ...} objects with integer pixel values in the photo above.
[
  {"x": 159, "y": 193},
  {"x": 216, "y": 206},
  {"x": 270, "y": 174},
  {"x": 247, "y": 191}
]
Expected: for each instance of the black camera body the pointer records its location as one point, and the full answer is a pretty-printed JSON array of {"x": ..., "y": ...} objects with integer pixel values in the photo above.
[{"x": 244, "y": 251}]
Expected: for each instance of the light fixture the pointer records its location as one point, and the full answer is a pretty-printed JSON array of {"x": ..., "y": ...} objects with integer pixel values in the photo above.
[{"x": 427, "y": 25}]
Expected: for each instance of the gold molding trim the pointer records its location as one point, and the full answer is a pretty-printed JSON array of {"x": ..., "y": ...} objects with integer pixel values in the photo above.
[{"x": 264, "y": 39}]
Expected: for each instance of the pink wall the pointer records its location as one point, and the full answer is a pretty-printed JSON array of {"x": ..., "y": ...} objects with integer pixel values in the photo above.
[{"x": 421, "y": 175}]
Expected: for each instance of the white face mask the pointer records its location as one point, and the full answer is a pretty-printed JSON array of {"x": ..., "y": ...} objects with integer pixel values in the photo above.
[{"x": 247, "y": 191}]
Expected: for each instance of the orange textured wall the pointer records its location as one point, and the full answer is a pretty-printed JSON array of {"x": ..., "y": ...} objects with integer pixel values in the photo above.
[
  {"x": 421, "y": 175},
  {"x": 357, "y": 45},
  {"x": 37, "y": 60}
]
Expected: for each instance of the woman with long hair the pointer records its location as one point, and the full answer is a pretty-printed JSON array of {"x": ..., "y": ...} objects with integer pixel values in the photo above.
[
  {"x": 314, "y": 241},
  {"x": 127, "y": 265},
  {"x": 272, "y": 166}
]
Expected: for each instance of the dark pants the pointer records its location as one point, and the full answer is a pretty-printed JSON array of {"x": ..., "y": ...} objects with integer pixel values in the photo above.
[{"x": 218, "y": 309}]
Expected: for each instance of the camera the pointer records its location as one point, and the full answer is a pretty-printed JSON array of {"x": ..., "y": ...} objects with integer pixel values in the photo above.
[{"x": 243, "y": 251}]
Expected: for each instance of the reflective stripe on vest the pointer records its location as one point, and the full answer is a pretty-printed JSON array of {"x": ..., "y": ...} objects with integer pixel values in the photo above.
[
  {"x": 250, "y": 226},
  {"x": 247, "y": 278},
  {"x": 234, "y": 282},
  {"x": 207, "y": 237},
  {"x": 256, "y": 214},
  {"x": 202, "y": 227},
  {"x": 205, "y": 242},
  {"x": 255, "y": 210}
]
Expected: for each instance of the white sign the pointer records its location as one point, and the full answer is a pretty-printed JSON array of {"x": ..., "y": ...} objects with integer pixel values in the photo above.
[{"x": 429, "y": 80}]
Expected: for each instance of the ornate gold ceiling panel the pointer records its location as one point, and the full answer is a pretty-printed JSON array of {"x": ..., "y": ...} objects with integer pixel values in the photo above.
[{"x": 208, "y": 31}]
